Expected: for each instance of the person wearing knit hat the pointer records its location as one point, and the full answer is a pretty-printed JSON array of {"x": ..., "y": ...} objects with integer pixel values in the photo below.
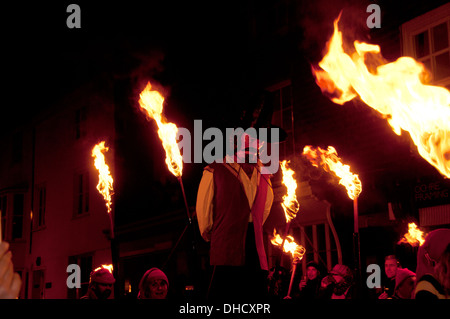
[
  {"x": 404, "y": 284},
  {"x": 309, "y": 286},
  {"x": 153, "y": 285},
  {"x": 100, "y": 284},
  {"x": 337, "y": 284},
  {"x": 433, "y": 266}
]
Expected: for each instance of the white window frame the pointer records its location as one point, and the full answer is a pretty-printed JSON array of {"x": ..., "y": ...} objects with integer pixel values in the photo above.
[{"x": 420, "y": 24}]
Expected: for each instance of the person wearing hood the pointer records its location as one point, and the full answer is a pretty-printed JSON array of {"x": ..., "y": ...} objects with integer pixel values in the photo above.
[
  {"x": 405, "y": 281},
  {"x": 153, "y": 285},
  {"x": 433, "y": 266}
]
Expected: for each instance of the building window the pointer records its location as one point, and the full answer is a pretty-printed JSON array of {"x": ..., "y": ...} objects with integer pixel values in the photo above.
[
  {"x": 427, "y": 39},
  {"x": 80, "y": 123},
  {"x": 17, "y": 218},
  {"x": 40, "y": 200},
  {"x": 283, "y": 115},
  {"x": 81, "y": 193},
  {"x": 3, "y": 208},
  {"x": 85, "y": 263}
]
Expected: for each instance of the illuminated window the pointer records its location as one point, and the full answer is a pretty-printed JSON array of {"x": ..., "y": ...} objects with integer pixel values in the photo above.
[{"x": 427, "y": 39}]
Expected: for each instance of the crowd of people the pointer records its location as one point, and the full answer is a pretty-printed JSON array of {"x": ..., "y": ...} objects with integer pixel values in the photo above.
[{"x": 430, "y": 281}]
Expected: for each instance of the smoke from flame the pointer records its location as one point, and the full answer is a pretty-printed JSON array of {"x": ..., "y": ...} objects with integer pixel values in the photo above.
[
  {"x": 105, "y": 180},
  {"x": 395, "y": 90},
  {"x": 329, "y": 161},
  {"x": 152, "y": 102}
]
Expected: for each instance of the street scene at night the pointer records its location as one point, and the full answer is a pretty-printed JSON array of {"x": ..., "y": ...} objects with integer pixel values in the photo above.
[{"x": 227, "y": 158}]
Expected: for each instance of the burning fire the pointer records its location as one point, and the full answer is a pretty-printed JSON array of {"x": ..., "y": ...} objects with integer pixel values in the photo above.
[
  {"x": 414, "y": 236},
  {"x": 108, "y": 267},
  {"x": 393, "y": 89},
  {"x": 290, "y": 203},
  {"x": 152, "y": 101},
  {"x": 330, "y": 161},
  {"x": 289, "y": 246},
  {"x": 105, "y": 180}
]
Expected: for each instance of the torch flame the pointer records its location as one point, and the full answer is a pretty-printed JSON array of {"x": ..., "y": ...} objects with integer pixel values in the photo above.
[
  {"x": 105, "y": 180},
  {"x": 290, "y": 203},
  {"x": 396, "y": 91},
  {"x": 152, "y": 102},
  {"x": 414, "y": 236},
  {"x": 330, "y": 161},
  {"x": 108, "y": 267},
  {"x": 289, "y": 246}
]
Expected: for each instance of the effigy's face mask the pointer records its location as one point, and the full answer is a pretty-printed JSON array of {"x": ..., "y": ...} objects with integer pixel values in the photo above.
[{"x": 248, "y": 149}]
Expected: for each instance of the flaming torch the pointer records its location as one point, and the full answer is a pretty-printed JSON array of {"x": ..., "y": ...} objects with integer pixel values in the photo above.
[
  {"x": 290, "y": 204},
  {"x": 414, "y": 236},
  {"x": 289, "y": 246},
  {"x": 406, "y": 103},
  {"x": 105, "y": 180},
  {"x": 152, "y": 102},
  {"x": 329, "y": 161},
  {"x": 105, "y": 188}
]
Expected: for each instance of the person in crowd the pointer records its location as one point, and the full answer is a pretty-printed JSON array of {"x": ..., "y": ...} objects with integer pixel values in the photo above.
[
  {"x": 310, "y": 285},
  {"x": 338, "y": 284},
  {"x": 10, "y": 282},
  {"x": 391, "y": 265},
  {"x": 153, "y": 285},
  {"x": 278, "y": 281},
  {"x": 405, "y": 281},
  {"x": 100, "y": 284},
  {"x": 433, "y": 266}
]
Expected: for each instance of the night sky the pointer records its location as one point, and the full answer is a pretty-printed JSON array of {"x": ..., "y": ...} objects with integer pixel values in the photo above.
[{"x": 198, "y": 50}]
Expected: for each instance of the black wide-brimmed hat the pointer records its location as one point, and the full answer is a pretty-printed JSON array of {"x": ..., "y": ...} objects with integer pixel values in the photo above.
[{"x": 257, "y": 112}]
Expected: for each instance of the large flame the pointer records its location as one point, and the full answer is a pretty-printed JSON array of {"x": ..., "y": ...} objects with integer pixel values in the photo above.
[
  {"x": 393, "y": 89},
  {"x": 329, "y": 161},
  {"x": 414, "y": 236},
  {"x": 290, "y": 203},
  {"x": 289, "y": 246},
  {"x": 152, "y": 102},
  {"x": 105, "y": 180},
  {"x": 108, "y": 267}
]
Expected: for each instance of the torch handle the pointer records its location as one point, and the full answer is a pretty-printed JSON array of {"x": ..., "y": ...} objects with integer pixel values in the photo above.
[
  {"x": 294, "y": 268},
  {"x": 355, "y": 216},
  {"x": 185, "y": 200},
  {"x": 111, "y": 225}
]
